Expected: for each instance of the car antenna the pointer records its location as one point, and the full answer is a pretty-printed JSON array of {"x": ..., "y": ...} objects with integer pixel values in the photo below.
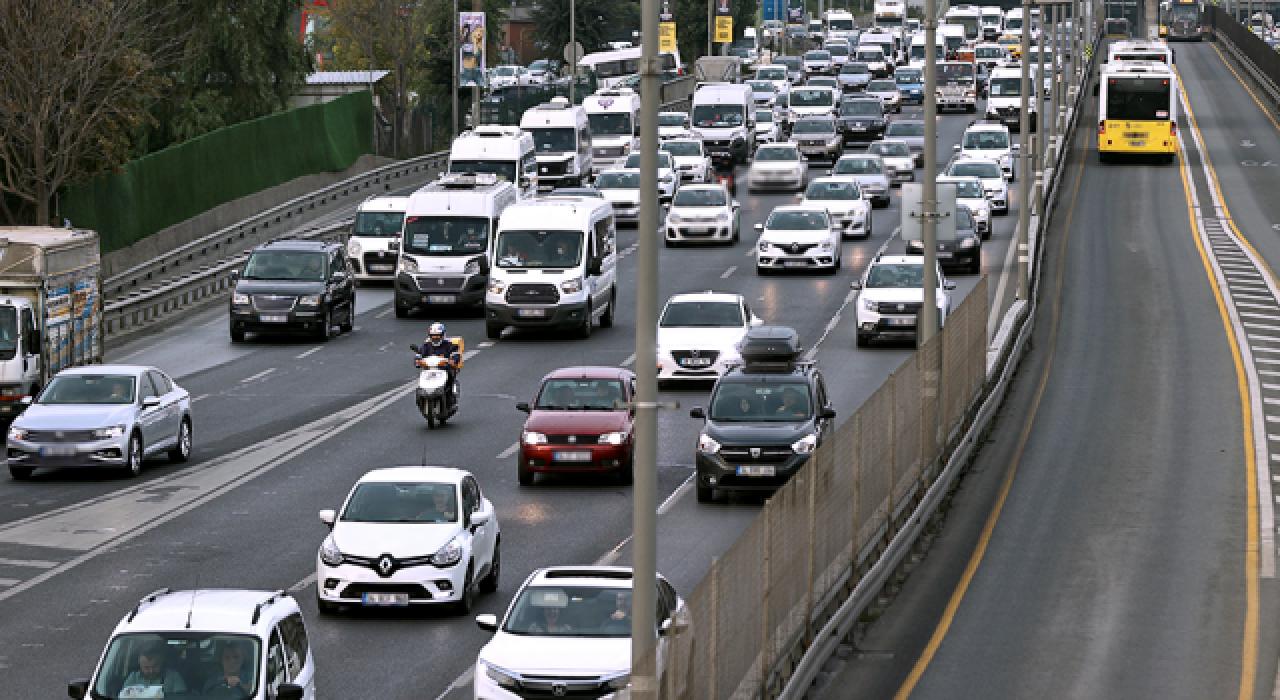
[{"x": 192, "y": 607}]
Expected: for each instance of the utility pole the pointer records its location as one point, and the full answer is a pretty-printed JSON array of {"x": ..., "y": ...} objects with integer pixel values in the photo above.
[
  {"x": 929, "y": 210},
  {"x": 711, "y": 26},
  {"x": 1024, "y": 174},
  {"x": 477, "y": 6},
  {"x": 573, "y": 52}
]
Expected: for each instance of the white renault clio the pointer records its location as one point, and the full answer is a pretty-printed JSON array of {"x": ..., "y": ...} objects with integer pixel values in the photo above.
[{"x": 409, "y": 536}]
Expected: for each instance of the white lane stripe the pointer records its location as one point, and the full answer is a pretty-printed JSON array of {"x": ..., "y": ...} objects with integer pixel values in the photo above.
[
  {"x": 317, "y": 348},
  {"x": 1006, "y": 272},
  {"x": 509, "y": 451},
  {"x": 459, "y": 682},
  {"x": 259, "y": 375},
  {"x": 1273, "y": 387},
  {"x": 485, "y": 344},
  {"x": 730, "y": 271},
  {"x": 386, "y": 312},
  {"x": 310, "y": 579},
  {"x": 628, "y": 362},
  {"x": 198, "y": 398},
  {"x": 6, "y": 582},
  {"x": 1255, "y": 314},
  {"x": 1262, "y": 326},
  {"x": 676, "y": 495},
  {"x": 33, "y": 563},
  {"x": 609, "y": 557}
]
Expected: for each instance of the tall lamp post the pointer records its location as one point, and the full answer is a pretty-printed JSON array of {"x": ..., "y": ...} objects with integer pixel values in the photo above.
[{"x": 929, "y": 188}]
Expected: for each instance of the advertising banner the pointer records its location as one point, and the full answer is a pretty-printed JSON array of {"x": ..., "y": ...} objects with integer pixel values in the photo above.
[
  {"x": 667, "y": 36},
  {"x": 471, "y": 58},
  {"x": 724, "y": 22}
]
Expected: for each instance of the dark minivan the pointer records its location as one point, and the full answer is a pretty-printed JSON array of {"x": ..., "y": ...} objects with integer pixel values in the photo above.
[{"x": 294, "y": 287}]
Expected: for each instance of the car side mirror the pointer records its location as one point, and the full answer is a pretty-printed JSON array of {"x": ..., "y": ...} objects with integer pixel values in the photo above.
[
  {"x": 736, "y": 204},
  {"x": 151, "y": 402},
  {"x": 758, "y": 226},
  {"x": 756, "y": 321},
  {"x": 488, "y": 623},
  {"x": 328, "y": 516},
  {"x": 855, "y": 285},
  {"x": 414, "y": 348},
  {"x": 948, "y": 285},
  {"x": 34, "y": 340},
  {"x": 235, "y": 275},
  {"x": 289, "y": 691},
  {"x": 76, "y": 689},
  {"x": 478, "y": 519},
  {"x": 697, "y": 412},
  {"x": 828, "y": 413},
  {"x": 523, "y": 406},
  {"x": 955, "y": 147}
]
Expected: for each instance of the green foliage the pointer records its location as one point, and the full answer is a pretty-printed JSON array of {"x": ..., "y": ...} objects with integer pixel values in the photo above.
[
  {"x": 598, "y": 21},
  {"x": 691, "y": 25}
]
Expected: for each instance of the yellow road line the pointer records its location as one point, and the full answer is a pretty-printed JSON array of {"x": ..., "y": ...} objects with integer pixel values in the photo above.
[
  {"x": 948, "y": 616},
  {"x": 1249, "y": 648},
  {"x": 1227, "y": 63}
]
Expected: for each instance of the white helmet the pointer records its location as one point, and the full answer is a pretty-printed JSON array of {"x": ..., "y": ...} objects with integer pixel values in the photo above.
[{"x": 436, "y": 329}]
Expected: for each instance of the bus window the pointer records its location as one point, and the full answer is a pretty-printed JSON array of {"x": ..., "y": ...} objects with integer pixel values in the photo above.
[{"x": 1138, "y": 99}]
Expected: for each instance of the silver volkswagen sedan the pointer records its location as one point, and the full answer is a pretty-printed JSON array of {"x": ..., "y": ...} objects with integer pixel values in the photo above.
[{"x": 102, "y": 416}]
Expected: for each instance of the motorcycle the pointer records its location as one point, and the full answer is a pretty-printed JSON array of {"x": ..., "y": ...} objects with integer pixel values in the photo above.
[{"x": 433, "y": 399}]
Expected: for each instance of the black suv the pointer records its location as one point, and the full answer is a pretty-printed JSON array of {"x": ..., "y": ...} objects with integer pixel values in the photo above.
[
  {"x": 861, "y": 120},
  {"x": 294, "y": 286},
  {"x": 765, "y": 417}
]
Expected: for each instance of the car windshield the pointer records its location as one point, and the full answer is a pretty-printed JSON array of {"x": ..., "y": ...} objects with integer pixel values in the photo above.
[
  {"x": 702, "y": 314},
  {"x": 812, "y": 98},
  {"x": 814, "y": 126},
  {"x": 718, "y": 115},
  {"x": 618, "y": 181},
  {"x": 671, "y": 119},
  {"x": 989, "y": 52},
  {"x": 764, "y": 116},
  {"x": 683, "y": 148},
  {"x": 755, "y": 402},
  {"x": 857, "y": 166},
  {"x": 1013, "y": 23},
  {"x": 540, "y": 64},
  {"x": 285, "y": 265},
  {"x": 798, "y": 221},
  {"x": 882, "y": 86},
  {"x": 664, "y": 160},
  {"x": 183, "y": 665},
  {"x": 838, "y": 50},
  {"x": 610, "y": 124},
  {"x": 905, "y": 129},
  {"x": 446, "y": 235},
  {"x": 554, "y": 140},
  {"x": 774, "y": 154},
  {"x": 832, "y": 191},
  {"x": 378, "y": 224},
  {"x": 908, "y": 77},
  {"x": 854, "y": 69},
  {"x": 504, "y": 70},
  {"x": 970, "y": 189},
  {"x": 818, "y": 56},
  {"x": 571, "y": 611},
  {"x": 88, "y": 389},
  {"x": 699, "y": 197},
  {"x": 580, "y": 394},
  {"x": 867, "y": 56},
  {"x": 1005, "y": 87},
  {"x": 860, "y": 108},
  {"x": 772, "y": 74},
  {"x": 504, "y": 169},
  {"x": 761, "y": 86},
  {"x": 903, "y": 276},
  {"x": 883, "y": 148},
  {"x": 986, "y": 140},
  {"x": 982, "y": 170},
  {"x": 8, "y": 332},
  {"x": 823, "y": 82},
  {"x": 402, "y": 502},
  {"x": 793, "y": 63},
  {"x": 522, "y": 249}
]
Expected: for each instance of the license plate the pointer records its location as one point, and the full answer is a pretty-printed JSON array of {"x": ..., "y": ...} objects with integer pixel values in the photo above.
[
  {"x": 795, "y": 263},
  {"x": 696, "y": 362},
  {"x": 531, "y": 313},
  {"x": 274, "y": 319},
  {"x": 396, "y": 599},
  {"x": 757, "y": 470},
  {"x": 381, "y": 268},
  {"x": 442, "y": 299},
  {"x": 572, "y": 456},
  {"x": 1137, "y": 144},
  {"x": 944, "y": 256},
  {"x": 57, "y": 451},
  {"x": 859, "y": 128},
  {"x": 907, "y": 321}
]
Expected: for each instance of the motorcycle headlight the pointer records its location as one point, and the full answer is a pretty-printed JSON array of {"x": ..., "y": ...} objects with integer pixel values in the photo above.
[
  {"x": 16, "y": 433},
  {"x": 707, "y": 445},
  {"x": 572, "y": 286},
  {"x": 114, "y": 431},
  {"x": 240, "y": 299},
  {"x": 472, "y": 267},
  {"x": 612, "y": 439},
  {"x": 408, "y": 264},
  {"x": 449, "y": 554},
  {"x": 870, "y": 305},
  {"x": 353, "y": 249},
  {"x": 311, "y": 300},
  {"x": 496, "y": 287},
  {"x": 805, "y": 445},
  {"x": 505, "y": 679},
  {"x": 329, "y": 552},
  {"x": 529, "y": 437}
]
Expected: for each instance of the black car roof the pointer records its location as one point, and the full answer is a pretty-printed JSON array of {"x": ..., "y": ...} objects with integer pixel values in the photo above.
[{"x": 318, "y": 246}]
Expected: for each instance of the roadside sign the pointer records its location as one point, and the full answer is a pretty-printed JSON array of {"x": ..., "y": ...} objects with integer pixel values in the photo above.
[{"x": 913, "y": 205}]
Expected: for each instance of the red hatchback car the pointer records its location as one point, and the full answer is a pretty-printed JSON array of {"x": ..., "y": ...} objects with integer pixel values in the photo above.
[{"x": 573, "y": 426}]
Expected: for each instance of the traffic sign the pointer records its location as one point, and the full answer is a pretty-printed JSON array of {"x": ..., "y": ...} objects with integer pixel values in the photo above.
[
  {"x": 913, "y": 207},
  {"x": 569, "y": 52}
]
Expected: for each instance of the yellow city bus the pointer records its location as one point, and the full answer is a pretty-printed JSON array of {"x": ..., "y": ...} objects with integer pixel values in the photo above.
[{"x": 1137, "y": 110}]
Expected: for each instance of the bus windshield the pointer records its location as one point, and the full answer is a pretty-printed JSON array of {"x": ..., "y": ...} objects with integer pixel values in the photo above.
[
  {"x": 961, "y": 73},
  {"x": 1005, "y": 87},
  {"x": 556, "y": 140},
  {"x": 610, "y": 124},
  {"x": 1138, "y": 99},
  {"x": 840, "y": 25}
]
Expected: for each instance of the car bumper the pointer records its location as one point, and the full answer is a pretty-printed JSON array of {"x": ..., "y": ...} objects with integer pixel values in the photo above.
[
  {"x": 382, "y": 268},
  {"x": 823, "y": 153},
  {"x": 852, "y": 135},
  {"x": 425, "y": 584},
  {"x": 693, "y": 175},
  {"x": 574, "y": 458},
  {"x": 714, "y": 232},
  {"x": 764, "y": 181},
  {"x": 98, "y": 453},
  {"x": 879, "y": 192},
  {"x": 813, "y": 260},
  {"x": 900, "y": 176},
  {"x": 669, "y": 370},
  {"x": 961, "y": 257},
  {"x": 953, "y": 102},
  {"x": 568, "y": 315},
  {"x": 854, "y": 226},
  {"x": 409, "y": 294},
  {"x": 279, "y": 322},
  {"x": 714, "y": 471},
  {"x": 874, "y": 325}
]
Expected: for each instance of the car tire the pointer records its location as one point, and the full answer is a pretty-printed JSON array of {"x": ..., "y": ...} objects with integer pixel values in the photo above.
[
  {"x": 237, "y": 336},
  {"x": 326, "y": 326},
  {"x": 524, "y": 475},
  {"x": 20, "y": 473},
  {"x": 584, "y": 331},
  {"x": 468, "y": 599},
  {"x": 324, "y": 606},
  {"x": 863, "y": 341},
  {"x": 606, "y": 319},
  {"x": 181, "y": 452},
  {"x": 350, "y": 323},
  {"x": 133, "y": 457},
  {"x": 489, "y": 584},
  {"x": 668, "y": 243},
  {"x": 706, "y": 494},
  {"x": 493, "y": 330},
  {"x": 627, "y": 475}
]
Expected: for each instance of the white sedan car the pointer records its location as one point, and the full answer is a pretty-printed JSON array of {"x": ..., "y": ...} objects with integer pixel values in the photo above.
[
  {"x": 778, "y": 166},
  {"x": 869, "y": 171},
  {"x": 798, "y": 237},
  {"x": 899, "y": 164},
  {"x": 673, "y": 125},
  {"x": 698, "y": 335},
  {"x": 691, "y": 161},
  {"x": 702, "y": 213},
  {"x": 767, "y": 126},
  {"x": 842, "y": 198},
  {"x": 994, "y": 185},
  {"x": 668, "y": 179},
  {"x": 969, "y": 193},
  {"x": 887, "y": 91},
  {"x": 892, "y": 292},
  {"x": 622, "y": 190},
  {"x": 409, "y": 536}
]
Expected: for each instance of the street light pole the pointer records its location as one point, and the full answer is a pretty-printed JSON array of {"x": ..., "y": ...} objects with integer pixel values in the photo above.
[
  {"x": 453, "y": 89},
  {"x": 929, "y": 188},
  {"x": 573, "y": 52},
  {"x": 1024, "y": 174}
]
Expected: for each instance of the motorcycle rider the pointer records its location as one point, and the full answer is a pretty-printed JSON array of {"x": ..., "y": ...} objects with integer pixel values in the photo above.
[{"x": 437, "y": 345}]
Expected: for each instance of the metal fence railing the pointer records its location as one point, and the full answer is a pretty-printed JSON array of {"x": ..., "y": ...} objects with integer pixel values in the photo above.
[
  {"x": 1265, "y": 58},
  {"x": 764, "y": 600}
]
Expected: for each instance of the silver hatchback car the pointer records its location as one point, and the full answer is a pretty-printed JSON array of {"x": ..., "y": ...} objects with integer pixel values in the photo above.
[{"x": 102, "y": 416}]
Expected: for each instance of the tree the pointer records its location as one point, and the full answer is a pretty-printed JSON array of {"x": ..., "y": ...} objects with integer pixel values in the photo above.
[
  {"x": 76, "y": 79},
  {"x": 597, "y": 20}
]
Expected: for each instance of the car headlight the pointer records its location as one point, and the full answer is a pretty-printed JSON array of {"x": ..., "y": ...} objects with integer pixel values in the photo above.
[
  {"x": 311, "y": 300},
  {"x": 764, "y": 246},
  {"x": 968, "y": 242},
  {"x": 505, "y": 679},
  {"x": 722, "y": 216},
  {"x": 707, "y": 445},
  {"x": 666, "y": 178},
  {"x": 529, "y": 437},
  {"x": 870, "y": 305},
  {"x": 472, "y": 267},
  {"x": 612, "y": 438},
  {"x": 572, "y": 286},
  {"x": 825, "y": 246},
  {"x": 329, "y": 552},
  {"x": 240, "y": 299},
  {"x": 626, "y": 149},
  {"x": 353, "y": 249},
  {"x": 16, "y": 433},
  {"x": 449, "y": 554},
  {"x": 408, "y": 264},
  {"x": 114, "y": 431},
  {"x": 805, "y": 445},
  {"x": 496, "y": 286}
]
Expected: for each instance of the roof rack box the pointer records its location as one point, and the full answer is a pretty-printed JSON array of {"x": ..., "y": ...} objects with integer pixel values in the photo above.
[{"x": 770, "y": 344}]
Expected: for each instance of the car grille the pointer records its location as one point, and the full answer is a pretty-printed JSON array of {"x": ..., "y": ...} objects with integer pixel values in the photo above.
[
  {"x": 372, "y": 562},
  {"x": 795, "y": 248},
  {"x": 532, "y": 294},
  {"x": 356, "y": 591},
  {"x": 540, "y": 687},
  {"x": 898, "y": 307},
  {"x": 750, "y": 455},
  {"x": 556, "y": 168},
  {"x": 60, "y": 436},
  {"x": 686, "y": 358},
  {"x": 440, "y": 284},
  {"x": 271, "y": 302},
  {"x": 592, "y": 439},
  {"x": 813, "y": 142},
  {"x": 716, "y": 144},
  {"x": 380, "y": 263},
  {"x": 1007, "y": 111}
]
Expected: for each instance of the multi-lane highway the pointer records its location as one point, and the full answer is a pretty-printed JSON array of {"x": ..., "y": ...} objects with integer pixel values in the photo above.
[
  {"x": 283, "y": 428},
  {"x": 1116, "y": 536}
]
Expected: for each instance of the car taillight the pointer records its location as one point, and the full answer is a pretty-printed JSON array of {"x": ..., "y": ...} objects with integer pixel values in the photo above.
[{"x": 1102, "y": 128}]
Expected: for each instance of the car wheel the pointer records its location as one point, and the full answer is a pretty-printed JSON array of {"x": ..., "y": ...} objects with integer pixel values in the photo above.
[
  {"x": 20, "y": 473},
  {"x": 493, "y": 330},
  {"x": 863, "y": 340},
  {"x": 975, "y": 267},
  {"x": 463, "y": 606},
  {"x": 401, "y": 311},
  {"x": 584, "y": 331},
  {"x": 524, "y": 474},
  {"x": 324, "y": 606},
  {"x": 237, "y": 336},
  {"x": 350, "y": 323},
  {"x": 181, "y": 452},
  {"x": 431, "y": 414},
  {"x": 606, "y": 320},
  {"x": 706, "y": 494},
  {"x": 489, "y": 583},
  {"x": 627, "y": 475},
  {"x": 326, "y": 326},
  {"x": 133, "y": 459}
]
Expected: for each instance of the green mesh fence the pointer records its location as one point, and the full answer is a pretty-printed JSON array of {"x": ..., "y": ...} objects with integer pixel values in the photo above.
[{"x": 169, "y": 186}]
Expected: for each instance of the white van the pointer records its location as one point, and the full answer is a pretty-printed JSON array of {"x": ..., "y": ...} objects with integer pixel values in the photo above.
[
  {"x": 724, "y": 118},
  {"x": 448, "y": 227},
  {"x": 614, "y": 115},
  {"x": 1004, "y": 96},
  {"x": 561, "y": 142},
  {"x": 505, "y": 151},
  {"x": 889, "y": 41},
  {"x": 555, "y": 266},
  {"x": 374, "y": 242},
  {"x": 613, "y": 67}
]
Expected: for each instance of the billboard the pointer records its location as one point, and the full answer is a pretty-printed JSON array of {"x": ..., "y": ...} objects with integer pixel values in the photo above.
[{"x": 471, "y": 59}]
